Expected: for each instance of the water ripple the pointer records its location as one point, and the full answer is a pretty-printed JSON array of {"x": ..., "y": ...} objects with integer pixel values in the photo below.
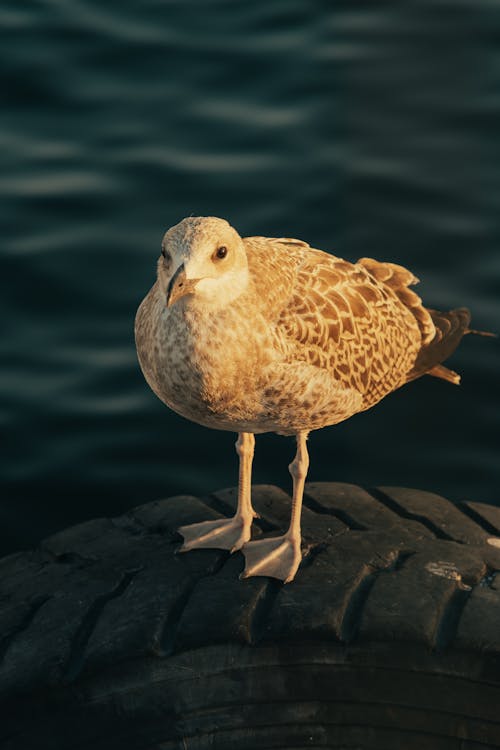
[{"x": 371, "y": 130}]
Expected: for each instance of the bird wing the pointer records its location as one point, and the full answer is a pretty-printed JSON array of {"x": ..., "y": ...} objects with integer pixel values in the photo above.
[
  {"x": 399, "y": 279},
  {"x": 341, "y": 317}
]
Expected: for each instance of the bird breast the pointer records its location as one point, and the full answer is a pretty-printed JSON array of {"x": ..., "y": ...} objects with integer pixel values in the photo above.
[{"x": 204, "y": 366}]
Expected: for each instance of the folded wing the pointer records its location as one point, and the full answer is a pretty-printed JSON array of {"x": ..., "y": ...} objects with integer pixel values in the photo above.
[{"x": 360, "y": 321}]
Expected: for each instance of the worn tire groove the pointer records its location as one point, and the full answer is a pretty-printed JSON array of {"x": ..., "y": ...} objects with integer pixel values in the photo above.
[
  {"x": 446, "y": 628},
  {"x": 170, "y": 628},
  {"x": 399, "y": 510},
  {"x": 341, "y": 515},
  {"x": 262, "y": 611},
  {"x": 353, "y": 612},
  {"x": 477, "y": 518},
  {"x": 88, "y": 624},
  {"x": 26, "y": 621}
]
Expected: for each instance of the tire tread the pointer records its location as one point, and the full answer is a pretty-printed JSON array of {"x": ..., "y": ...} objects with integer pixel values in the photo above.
[{"x": 97, "y": 605}]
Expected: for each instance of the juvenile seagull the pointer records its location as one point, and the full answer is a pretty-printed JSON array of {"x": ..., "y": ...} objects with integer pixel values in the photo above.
[{"x": 259, "y": 334}]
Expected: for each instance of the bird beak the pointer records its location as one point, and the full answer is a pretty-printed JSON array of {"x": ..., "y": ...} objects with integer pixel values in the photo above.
[{"x": 179, "y": 286}]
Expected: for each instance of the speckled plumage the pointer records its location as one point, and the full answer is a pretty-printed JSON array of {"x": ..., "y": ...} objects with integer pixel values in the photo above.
[
  {"x": 285, "y": 338},
  {"x": 311, "y": 341}
]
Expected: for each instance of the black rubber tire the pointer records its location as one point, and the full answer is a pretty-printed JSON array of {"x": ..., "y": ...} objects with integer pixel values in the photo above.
[{"x": 389, "y": 637}]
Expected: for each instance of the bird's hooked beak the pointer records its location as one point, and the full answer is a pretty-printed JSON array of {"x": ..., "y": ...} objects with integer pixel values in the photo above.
[{"x": 179, "y": 286}]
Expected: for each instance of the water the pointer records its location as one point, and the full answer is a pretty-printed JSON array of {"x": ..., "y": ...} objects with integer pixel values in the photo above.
[{"x": 367, "y": 129}]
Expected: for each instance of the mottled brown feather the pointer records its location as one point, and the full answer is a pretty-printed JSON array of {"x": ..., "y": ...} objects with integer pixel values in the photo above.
[
  {"x": 398, "y": 279},
  {"x": 312, "y": 340},
  {"x": 341, "y": 316}
]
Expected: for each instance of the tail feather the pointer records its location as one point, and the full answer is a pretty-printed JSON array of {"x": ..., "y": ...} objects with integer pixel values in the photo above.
[
  {"x": 440, "y": 371},
  {"x": 489, "y": 334},
  {"x": 441, "y": 332},
  {"x": 450, "y": 328}
]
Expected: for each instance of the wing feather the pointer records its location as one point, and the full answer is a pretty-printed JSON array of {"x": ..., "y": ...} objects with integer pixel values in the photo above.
[
  {"x": 341, "y": 317},
  {"x": 360, "y": 321}
]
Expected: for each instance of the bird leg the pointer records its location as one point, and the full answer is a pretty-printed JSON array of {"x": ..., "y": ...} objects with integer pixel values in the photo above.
[
  {"x": 228, "y": 533},
  {"x": 279, "y": 557}
]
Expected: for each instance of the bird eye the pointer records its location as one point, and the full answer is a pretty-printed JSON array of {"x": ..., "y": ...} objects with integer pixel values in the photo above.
[{"x": 221, "y": 252}]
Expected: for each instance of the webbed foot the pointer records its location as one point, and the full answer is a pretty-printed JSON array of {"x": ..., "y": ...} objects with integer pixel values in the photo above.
[
  {"x": 277, "y": 557},
  {"x": 227, "y": 533}
]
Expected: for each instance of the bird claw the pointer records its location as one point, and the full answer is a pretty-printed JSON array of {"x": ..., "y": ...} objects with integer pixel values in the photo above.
[
  {"x": 276, "y": 557},
  {"x": 228, "y": 533}
]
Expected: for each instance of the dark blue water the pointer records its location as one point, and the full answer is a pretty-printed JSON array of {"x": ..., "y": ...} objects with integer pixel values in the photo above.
[{"x": 365, "y": 128}]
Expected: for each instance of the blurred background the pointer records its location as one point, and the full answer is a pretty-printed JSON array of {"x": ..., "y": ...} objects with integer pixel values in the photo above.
[{"x": 365, "y": 129}]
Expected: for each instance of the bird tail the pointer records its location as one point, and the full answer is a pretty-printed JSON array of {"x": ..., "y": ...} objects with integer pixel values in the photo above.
[
  {"x": 489, "y": 334},
  {"x": 450, "y": 328},
  {"x": 441, "y": 332}
]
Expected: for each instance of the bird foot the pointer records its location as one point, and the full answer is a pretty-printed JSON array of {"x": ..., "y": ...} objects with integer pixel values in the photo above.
[
  {"x": 277, "y": 557},
  {"x": 228, "y": 533}
]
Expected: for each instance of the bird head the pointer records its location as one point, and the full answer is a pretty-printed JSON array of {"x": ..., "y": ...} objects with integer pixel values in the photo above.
[{"x": 202, "y": 257}]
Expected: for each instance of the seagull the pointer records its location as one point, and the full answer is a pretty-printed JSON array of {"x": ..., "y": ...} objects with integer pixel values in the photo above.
[{"x": 263, "y": 334}]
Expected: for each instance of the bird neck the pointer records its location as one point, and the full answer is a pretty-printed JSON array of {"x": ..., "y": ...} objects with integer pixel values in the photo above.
[{"x": 215, "y": 294}]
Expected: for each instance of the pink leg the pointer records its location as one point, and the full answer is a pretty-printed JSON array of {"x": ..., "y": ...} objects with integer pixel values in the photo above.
[
  {"x": 228, "y": 533},
  {"x": 279, "y": 557}
]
